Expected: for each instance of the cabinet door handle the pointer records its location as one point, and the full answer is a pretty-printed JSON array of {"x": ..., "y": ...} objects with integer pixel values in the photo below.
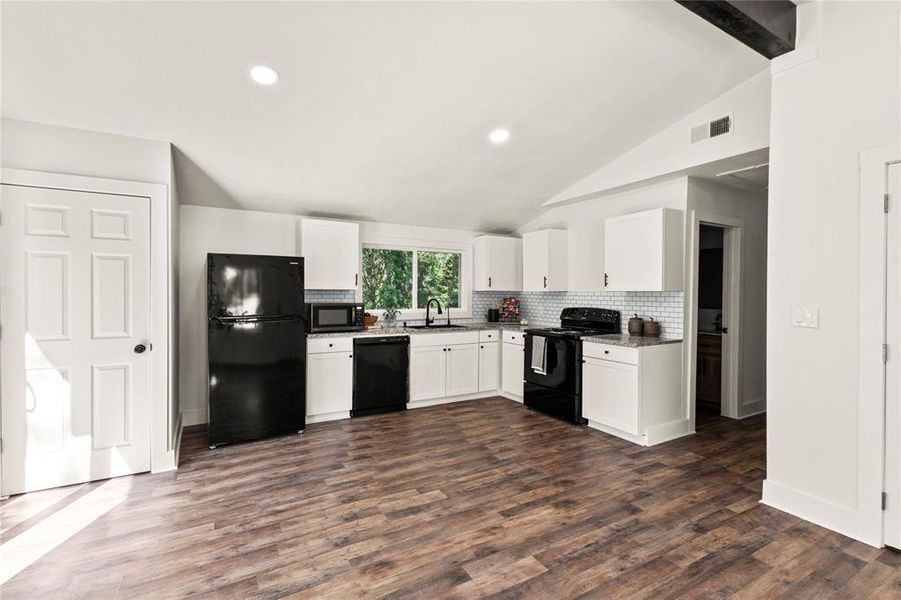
[
  {"x": 482, "y": 347},
  {"x": 606, "y": 351},
  {"x": 489, "y": 281},
  {"x": 351, "y": 356},
  {"x": 605, "y": 280},
  {"x": 330, "y": 345},
  {"x": 545, "y": 281},
  {"x": 356, "y": 279}
]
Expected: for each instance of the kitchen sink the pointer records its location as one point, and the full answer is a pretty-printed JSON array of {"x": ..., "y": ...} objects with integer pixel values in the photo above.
[{"x": 442, "y": 326}]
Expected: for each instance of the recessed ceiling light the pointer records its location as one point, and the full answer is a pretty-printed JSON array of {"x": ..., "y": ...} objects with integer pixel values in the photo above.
[
  {"x": 264, "y": 74},
  {"x": 499, "y": 136}
]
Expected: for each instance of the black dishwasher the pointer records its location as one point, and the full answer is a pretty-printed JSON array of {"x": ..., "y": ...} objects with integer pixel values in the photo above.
[{"x": 381, "y": 380}]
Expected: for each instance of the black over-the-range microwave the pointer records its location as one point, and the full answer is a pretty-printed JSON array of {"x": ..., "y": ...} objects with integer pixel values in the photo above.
[{"x": 334, "y": 316}]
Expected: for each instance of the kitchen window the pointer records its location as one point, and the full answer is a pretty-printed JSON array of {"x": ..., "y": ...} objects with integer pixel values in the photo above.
[{"x": 405, "y": 278}]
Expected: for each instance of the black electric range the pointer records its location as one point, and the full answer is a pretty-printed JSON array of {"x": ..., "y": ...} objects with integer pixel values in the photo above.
[{"x": 554, "y": 385}]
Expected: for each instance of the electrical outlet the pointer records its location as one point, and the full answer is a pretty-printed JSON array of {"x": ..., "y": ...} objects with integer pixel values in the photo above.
[{"x": 806, "y": 316}]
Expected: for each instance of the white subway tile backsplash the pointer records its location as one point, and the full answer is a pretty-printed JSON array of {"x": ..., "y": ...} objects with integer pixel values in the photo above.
[
  {"x": 545, "y": 307},
  {"x": 329, "y": 296}
]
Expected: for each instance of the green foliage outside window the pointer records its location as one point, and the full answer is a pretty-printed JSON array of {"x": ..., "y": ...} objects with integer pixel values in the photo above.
[
  {"x": 439, "y": 277},
  {"x": 388, "y": 278}
]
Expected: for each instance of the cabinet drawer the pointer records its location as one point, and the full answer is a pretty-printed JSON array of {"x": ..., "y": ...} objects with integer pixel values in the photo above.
[
  {"x": 514, "y": 337},
  {"x": 330, "y": 344},
  {"x": 606, "y": 352},
  {"x": 489, "y": 336},
  {"x": 443, "y": 339}
]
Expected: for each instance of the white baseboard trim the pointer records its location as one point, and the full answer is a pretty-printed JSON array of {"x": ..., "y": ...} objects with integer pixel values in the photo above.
[
  {"x": 513, "y": 397},
  {"x": 438, "y": 401},
  {"x": 751, "y": 409},
  {"x": 192, "y": 417},
  {"x": 635, "y": 439},
  {"x": 652, "y": 436},
  {"x": 168, "y": 460},
  {"x": 176, "y": 443},
  {"x": 666, "y": 432},
  {"x": 334, "y": 416},
  {"x": 839, "y": 518}
]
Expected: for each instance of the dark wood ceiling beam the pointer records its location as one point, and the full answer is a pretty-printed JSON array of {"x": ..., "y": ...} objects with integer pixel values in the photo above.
[{"x": 767, "y": 26}]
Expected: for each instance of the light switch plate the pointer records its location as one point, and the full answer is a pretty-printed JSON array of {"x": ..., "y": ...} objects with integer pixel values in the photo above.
[{"x": 806, "y": 316}]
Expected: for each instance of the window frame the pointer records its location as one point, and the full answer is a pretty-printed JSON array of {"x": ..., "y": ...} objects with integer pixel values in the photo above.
[{"x": 414, "y": 314}]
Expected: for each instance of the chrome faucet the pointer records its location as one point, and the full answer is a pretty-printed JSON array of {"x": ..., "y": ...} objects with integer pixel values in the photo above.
[{"x": 428, "y": 305}]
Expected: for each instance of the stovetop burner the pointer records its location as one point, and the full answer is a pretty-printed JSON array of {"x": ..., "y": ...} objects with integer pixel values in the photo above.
[{"x": 578, "y": 322}]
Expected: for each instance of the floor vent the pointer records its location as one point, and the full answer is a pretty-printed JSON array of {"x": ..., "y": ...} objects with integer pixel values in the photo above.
[{"x": 713, "y": 129}]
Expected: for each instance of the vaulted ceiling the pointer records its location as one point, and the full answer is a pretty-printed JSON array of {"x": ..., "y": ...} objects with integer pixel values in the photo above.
[{"x": 383, "y": 109}]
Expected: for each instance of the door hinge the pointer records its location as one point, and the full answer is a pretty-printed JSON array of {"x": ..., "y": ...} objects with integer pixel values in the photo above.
[
  {"x": 884, "y": 500},
  {"x": 885, "y": 203},
  {"x": 884, "y": 353}
]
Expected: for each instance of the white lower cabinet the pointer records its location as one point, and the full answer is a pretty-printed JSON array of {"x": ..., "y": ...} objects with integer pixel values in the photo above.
[
  {"x": 444, "y": 365},
  {"x": 512, "y": 373},
  {"x": 489, "y": 366},
  {"x": 451, "y": 365},
  {"x": 428, "y": 372},
  {"x": 634, "y": 393},
  {"x": 330, "y": 383},
  {"x": 462, "y": 369},
  {"x": 610, "y": 390}
]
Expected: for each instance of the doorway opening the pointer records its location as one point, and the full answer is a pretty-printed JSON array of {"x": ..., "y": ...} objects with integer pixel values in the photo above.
[{"x": 710, "y": 323}]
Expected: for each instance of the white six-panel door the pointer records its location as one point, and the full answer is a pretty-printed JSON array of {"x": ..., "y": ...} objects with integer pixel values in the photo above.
[{"x": 75, "y": 281}]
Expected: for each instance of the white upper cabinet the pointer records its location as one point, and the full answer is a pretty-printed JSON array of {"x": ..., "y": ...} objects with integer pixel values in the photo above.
[
  {"x": 544, "y": 261},
  {"x": 586, "y": 255},
  {"x": 331, "y": 252},
  {"x": 643, "y": 251},
  {"x": 497, "y": 263}
]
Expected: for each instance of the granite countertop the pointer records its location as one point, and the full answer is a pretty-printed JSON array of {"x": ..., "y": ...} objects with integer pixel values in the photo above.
[
  {"x": 630, "y": 341},
  {"x": 400, "y": 330}
]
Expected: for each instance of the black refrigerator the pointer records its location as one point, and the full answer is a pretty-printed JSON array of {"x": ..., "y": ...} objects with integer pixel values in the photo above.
[{"x": 257, "y": 347}]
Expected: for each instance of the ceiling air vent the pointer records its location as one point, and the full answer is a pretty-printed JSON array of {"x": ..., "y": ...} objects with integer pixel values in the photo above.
[{"x": 713, "y": 129}]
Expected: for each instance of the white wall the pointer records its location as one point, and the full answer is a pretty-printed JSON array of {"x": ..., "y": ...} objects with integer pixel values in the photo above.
[
  {"x": 204, "y": 230},
  {"x": 668, "y": 194},
  {"x": 585, "y": 221},
  {"x": 40, "y": 147},
  {"x": 670, "y": 151},
  {"x": 709, "y": 197},
  {"x": 838, "y": 95},
  {"x": 207, "y": 229}
]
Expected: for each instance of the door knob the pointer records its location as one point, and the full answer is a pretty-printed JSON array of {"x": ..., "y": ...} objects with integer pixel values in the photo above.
[{"x": 139, "y": 349}]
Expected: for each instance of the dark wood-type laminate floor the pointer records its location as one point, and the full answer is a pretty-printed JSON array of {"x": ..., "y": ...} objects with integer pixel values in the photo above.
[{"x": 465, "y": 500}]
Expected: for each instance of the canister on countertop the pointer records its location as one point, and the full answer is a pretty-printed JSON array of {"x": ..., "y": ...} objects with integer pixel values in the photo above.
[
  {"x": 652, "y": 327},
  {"x": 636, "y": 325}
]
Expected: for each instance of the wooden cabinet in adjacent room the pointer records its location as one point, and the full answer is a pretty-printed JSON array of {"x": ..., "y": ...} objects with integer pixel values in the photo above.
[{"x": 709, "y": 379}]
